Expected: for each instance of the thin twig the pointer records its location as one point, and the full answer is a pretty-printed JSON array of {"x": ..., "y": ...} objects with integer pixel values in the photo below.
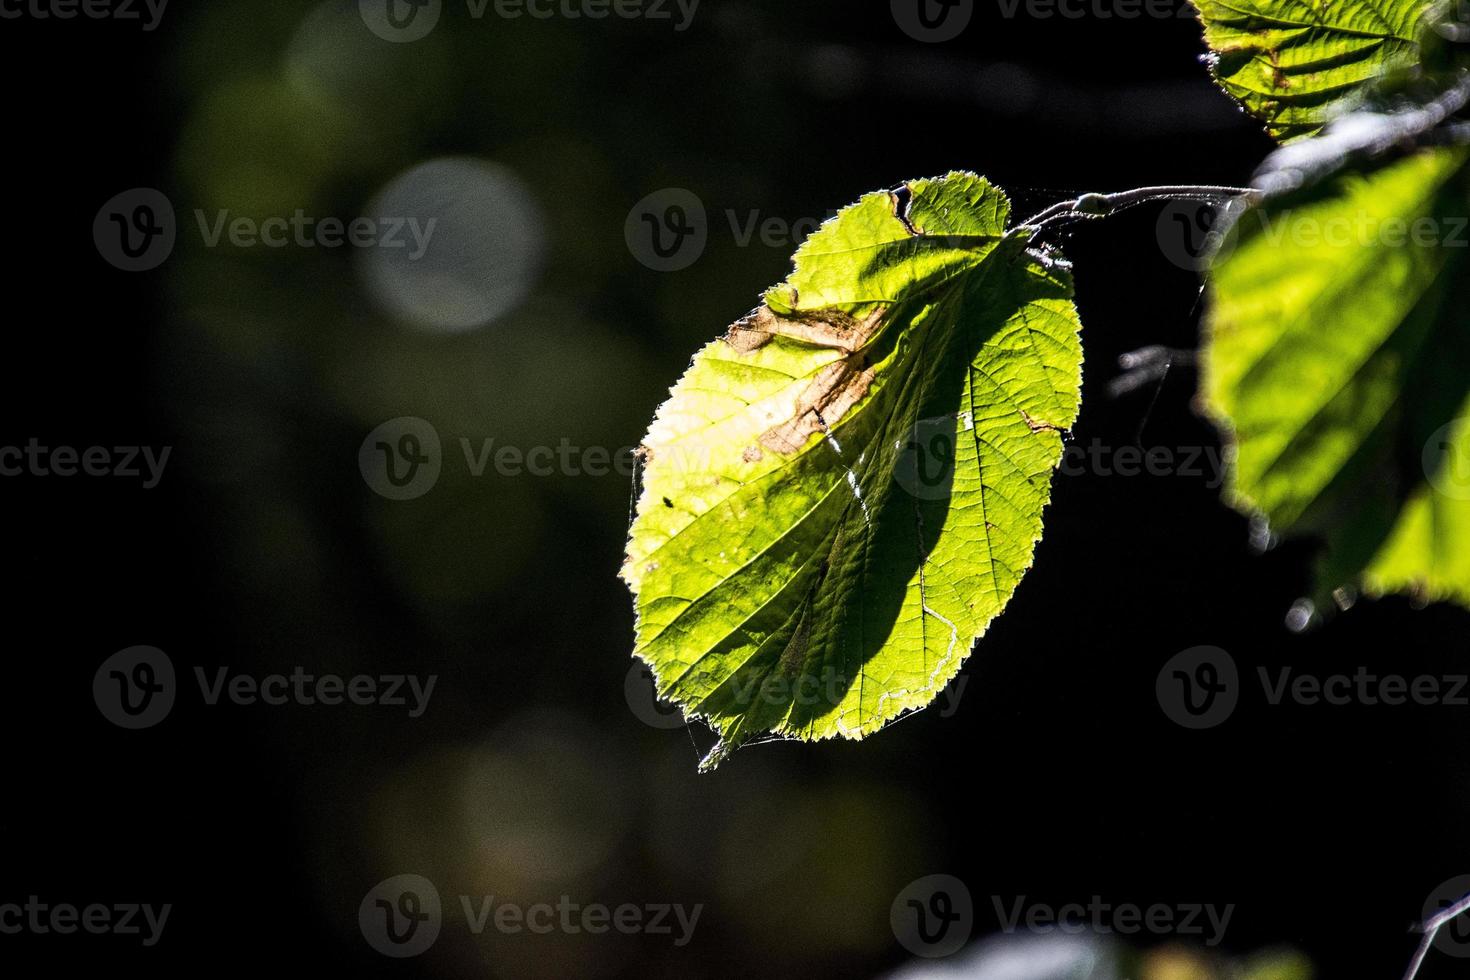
[
  {"x": 1431, "y": 930},
  {"x": 1097, "y": 205},
  {"x": 1145, "y": 366}
]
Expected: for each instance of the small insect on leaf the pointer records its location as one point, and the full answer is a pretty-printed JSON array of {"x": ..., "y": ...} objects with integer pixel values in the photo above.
[{"x": 860, "y": 465}]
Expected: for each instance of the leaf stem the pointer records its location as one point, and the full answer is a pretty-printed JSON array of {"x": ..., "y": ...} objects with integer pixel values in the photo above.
[{"x": 1100, "y": 205}]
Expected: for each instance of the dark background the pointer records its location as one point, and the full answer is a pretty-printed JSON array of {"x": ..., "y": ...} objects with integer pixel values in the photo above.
[{"x": 1059, "y": 777}]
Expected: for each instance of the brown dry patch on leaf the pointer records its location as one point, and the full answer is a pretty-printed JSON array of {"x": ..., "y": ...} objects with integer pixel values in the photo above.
[
  {"x": 1036, "y": 425},
  {"x": 829, "y": 328},
  {"x": 836, "y": 388},
  {"x": 752, "y": 454},
  {"x": 1277, "y": 75}
]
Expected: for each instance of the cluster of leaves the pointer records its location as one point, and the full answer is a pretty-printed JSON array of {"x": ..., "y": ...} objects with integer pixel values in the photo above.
[
  {"x": 845, "y": 489},
  {"x": 1333, "y": 358}
]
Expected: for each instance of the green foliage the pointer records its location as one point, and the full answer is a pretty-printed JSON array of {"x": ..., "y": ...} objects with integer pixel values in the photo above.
[
  {"x": 1336, "y": 355},
  {"x": 1294, "y": 63},
  {"x": 1332, "y": 350},
  {"x": 844, "y": 490}
]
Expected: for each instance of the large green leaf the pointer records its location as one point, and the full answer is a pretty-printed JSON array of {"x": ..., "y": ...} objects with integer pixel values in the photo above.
[
  {"x": 1294, "y": 63},
  {"x": 1337, "y": 357},
  {"x": 844, "y": 490}
]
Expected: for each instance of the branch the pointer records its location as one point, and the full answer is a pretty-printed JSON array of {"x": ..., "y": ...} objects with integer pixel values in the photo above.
[
  {"x": 1145, "y": 366},
  {"x": 1431, "y": 930},
  {"x": 1100, "y": 205}
]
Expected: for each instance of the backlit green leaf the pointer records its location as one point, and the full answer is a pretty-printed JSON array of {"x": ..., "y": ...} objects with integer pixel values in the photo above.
[
  {"x": 843, "y": 491},
  {"x": 1294, "y": 63},
  {"x": 1338, "y": 359}
]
